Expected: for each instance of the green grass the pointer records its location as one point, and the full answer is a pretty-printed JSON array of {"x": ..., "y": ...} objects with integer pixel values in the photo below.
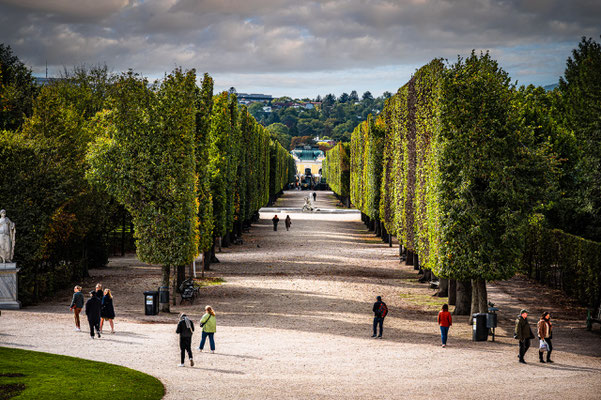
[
  {"x": 50, "y": 376},
  {"x": 208, "y": 281},
  {"x": 425, "y": 300}
]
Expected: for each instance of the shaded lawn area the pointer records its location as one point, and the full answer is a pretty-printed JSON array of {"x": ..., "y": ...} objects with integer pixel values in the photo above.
[{"x": 33, "y": 375}]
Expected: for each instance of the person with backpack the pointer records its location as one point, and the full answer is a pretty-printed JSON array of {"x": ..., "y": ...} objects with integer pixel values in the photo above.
[
  {"x": 380, "y": 311},
  {"x": 444, "y": 321},
  {"x": 185, "y": 328}
]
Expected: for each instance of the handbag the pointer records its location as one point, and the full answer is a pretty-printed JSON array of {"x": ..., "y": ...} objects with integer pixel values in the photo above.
[
  {"x": 203, "y": 323},
  {"x": 543, "y": 346}
]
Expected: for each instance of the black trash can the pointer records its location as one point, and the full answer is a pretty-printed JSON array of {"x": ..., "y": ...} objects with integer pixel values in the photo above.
[
  {"x": 164, "y": 294},
  {"x": 480, "y": 331},
  {"x": 151, "y": 302},
  {"x": 491, "y": 320}
]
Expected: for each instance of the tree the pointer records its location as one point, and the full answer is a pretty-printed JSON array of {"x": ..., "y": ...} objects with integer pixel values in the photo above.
[
  {"x": 353, "y": 97},
  {"x": 581, "y": 89},
  {"x": 367, "y": 96},
  {"x": 279, "y": 132},
  {"x": 344, "y": 97},
  {"x": 144, "y": 157},
  {"x": 17, "y": 90}
]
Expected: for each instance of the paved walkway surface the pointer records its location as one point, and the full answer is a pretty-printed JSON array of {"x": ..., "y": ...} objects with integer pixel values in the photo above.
[{"x": 294, "y": 321}]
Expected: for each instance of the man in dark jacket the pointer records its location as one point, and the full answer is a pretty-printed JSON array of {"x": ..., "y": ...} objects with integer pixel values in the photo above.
[
  {"x": 93, "y": 307},
  {"x": 523, "y": 333},
  {"x": 275, "y": 221},
  {"x": 185, "y": 327},
  {"x": 380, "y": 310}
]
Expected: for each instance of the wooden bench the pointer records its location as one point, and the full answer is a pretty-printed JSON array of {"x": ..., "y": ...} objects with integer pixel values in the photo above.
[{"x": 593, "y": 317}]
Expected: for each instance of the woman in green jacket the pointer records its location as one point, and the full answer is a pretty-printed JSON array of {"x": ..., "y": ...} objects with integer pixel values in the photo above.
[{"x": 209, "y": 327}]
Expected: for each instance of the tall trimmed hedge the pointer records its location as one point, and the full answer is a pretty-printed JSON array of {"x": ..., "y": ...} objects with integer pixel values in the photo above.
[{"x": 336, "y": 169}]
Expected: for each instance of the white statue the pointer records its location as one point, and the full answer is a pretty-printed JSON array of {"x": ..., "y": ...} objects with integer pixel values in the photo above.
[
  {"x": 308, "y": 204},
  {"x": 7, "y": 238}
]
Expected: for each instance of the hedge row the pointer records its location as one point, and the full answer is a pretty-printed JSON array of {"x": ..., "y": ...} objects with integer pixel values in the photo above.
[{"x": 336, "y": 169}]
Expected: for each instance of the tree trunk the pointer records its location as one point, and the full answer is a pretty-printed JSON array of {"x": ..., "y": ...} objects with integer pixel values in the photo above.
[
  {"x": 383, "y": 233},
  {"x": 219, "y": 243},
  {"x": 415, "y": 261},
  {"x": 464, "y": 298},
  {"x": 165, "y": 282},
  {"x": 378, "y": 230},
  {"x": 409, "y": 260},
  {"x": 190, "y": 270},
  {"x": 443, "y": 288},
  {"x": 225, "y": 241},
  {"x": 479, "y": 296},
  {"x": 206, "y": 261},
  {"x": 389, "y": 240},
  {"x": 452, "y": 292},
  {"x": 426, "y": 276}
]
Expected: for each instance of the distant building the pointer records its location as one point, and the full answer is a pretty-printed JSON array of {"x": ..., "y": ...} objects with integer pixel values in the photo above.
[
  {"x": 308, "y": 157},
  {"x": 267, "y": 109},
  {"x": 245, "y": 98}
]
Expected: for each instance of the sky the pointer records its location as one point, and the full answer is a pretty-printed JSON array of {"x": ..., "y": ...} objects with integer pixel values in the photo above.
[{"x": 297, "y": 48}]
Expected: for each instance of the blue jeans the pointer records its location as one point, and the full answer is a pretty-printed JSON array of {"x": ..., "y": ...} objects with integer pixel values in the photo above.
[
  {"x": 444, "y": 333},
  {"x": 378, "y": 321},
  {"x": 211, "y": 340}
]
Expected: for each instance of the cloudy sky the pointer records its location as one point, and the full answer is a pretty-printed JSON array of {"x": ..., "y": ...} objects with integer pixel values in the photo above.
[{"x": 297, "y": 48}]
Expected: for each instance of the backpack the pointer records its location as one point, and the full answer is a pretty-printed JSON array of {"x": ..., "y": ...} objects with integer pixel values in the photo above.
[{"x": 383, "y": 310}]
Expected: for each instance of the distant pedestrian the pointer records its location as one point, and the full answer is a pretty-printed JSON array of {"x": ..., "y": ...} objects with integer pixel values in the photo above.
[
  {"x": 185, "y": 327},
  {"x": 76, "y": 306},
  {"x": 545, "y": 334},
  {"x": 314, "y": 196},
  {"x": 288, "y": 222},
  {"x": 93, "y": 306},
  {"x": 275, "y": 221},
  {"x": 380, "y": 311},
  {"x": 208, "y": 324},
  {"x": 523, "y": 333},
  {"x": 107, "y": 311},
  {"x": 99, "y": 292},
  {"x": 444, "y": 321}
]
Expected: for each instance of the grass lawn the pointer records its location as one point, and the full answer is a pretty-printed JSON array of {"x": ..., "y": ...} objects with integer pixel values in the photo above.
[{"x": 33, "y": 375}]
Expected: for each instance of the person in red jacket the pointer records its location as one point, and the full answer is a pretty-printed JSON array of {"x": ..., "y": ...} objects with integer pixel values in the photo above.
[{"x": 445, "y": 321}]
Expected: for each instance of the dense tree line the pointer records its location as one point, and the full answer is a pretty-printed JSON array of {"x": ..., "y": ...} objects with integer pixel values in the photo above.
[
  {"x": 467, "y": 161},
  {"x": 332, "y": 118},
  {"x": 190, "y": 168}
]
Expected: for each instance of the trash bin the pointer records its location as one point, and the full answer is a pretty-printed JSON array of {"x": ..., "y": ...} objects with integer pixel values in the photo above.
[
  {"x": 151, "y": 302},
  {"x": 491, "y": 320},
  {"x": 480, "y": 331},
  {"x": 164, "y": 294}
]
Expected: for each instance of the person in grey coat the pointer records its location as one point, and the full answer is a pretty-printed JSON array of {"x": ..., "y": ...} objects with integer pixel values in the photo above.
[{"x": 76, "y": 306}]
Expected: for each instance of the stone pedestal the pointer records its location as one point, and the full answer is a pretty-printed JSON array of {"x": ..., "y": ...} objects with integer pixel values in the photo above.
[{"x": 9, "y": 287}]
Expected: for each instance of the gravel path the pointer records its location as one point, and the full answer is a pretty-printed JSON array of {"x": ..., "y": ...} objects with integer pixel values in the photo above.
[{"x": 294, "y": 321}]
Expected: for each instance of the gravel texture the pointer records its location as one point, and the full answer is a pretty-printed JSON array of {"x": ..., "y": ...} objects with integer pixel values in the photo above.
[{"x": 294, "y": 321}]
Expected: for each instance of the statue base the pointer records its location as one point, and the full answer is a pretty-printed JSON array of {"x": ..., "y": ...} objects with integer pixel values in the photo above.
[{"x": 9, "y": 287}]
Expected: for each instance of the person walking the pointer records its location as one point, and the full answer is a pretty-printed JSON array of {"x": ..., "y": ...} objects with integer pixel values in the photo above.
[
  {"x": 288, "y": 222},
  {"x": 275, "y": 221},
  {"x": 523, "y": 333},
  {"x": 93, "y": 306},
  {"x": 76, "y": 306},
  {"x": 99, "y": 292},
  {"x": 185, "y": 328},
  {"x": 314, "y": 196},
  {"x": 209, "y": 327},
  {"x": 545, "y": 334},
  {"x": 107, "y": 311},
  {"x": 380, "y": 311},
  {"x": 444, "y": 321}
]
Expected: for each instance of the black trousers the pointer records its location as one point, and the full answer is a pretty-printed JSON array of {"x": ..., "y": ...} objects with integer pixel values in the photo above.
[
  {"x": 185, "y": 344},
  {"x": 378, "y": 321},
  {"x": 524, "y": 346},
  {"x": 550, "y": 348},
  {"x": 94, "y": 324}
]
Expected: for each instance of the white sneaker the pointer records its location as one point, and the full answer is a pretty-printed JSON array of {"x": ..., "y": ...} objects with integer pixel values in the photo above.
[
  {"x": 77, "y": 330},
  {"x": 213, "y": 351},
  {"x": 180, "y": 365}
]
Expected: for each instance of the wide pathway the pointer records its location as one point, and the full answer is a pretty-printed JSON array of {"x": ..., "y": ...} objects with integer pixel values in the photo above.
[{"x": 294, "y": 321}]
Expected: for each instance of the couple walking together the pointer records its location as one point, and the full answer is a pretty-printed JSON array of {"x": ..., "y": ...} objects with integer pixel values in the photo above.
[{"x": 185, "y": 328}]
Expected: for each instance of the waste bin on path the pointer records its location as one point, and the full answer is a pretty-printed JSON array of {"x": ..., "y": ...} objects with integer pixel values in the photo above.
[
  {"x": 164, "y": 295},
  {"x": 480, "y": 331},
  {"x": 151, "y": 302}
]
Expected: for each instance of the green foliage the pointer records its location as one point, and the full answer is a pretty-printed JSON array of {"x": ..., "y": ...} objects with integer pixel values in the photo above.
[
  {"x": 564, "y": 261},
  {"x": 581, "y": 91},
  {"x": 17, "y": 90},
  {"x": 144, "y": 157},
  {"x": 280, "y": 132},
  {"x": 336, "y": 169},
  {"x": 69, "y": 377}
]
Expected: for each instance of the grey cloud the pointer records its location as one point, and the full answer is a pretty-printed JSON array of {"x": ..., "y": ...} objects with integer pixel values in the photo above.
[{"x": 277, "y": 36}]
